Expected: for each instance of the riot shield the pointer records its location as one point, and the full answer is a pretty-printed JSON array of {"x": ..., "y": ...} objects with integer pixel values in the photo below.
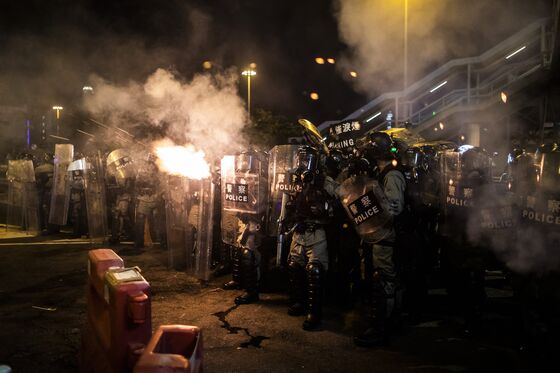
[
  {"x": 495, "y": 224},
  {"x": 422, "y": 159},
  {"x": 180, "y": 234},
  {"x": 539, "y": 229},
  {"x": 205, "y": 231},
  {"x": 465, "y": 177},
  {"x": 282, "y": 160},
  {"x": 96, "y": 202},
  {"x": 60, "y": 195},
  {"x": 244, "y": 190},
  {"x": 367, "y": 207},
  {"x": 23, "y": 203},
  {"x": 189, "y": 218}
]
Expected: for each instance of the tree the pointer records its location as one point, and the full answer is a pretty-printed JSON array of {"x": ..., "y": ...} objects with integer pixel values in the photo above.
[{"x": 268, "y": 129}]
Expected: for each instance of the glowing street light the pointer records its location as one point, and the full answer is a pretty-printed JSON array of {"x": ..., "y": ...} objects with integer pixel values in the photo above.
[
  {"x": 249, "y": 73},
  {"x": 353, "y": 74},
  {"x": 504, "y": 97},
  {"x": 58, "y": 110},
  {"x": 314, "y": 96},
  {"x": 331, "y": 60},
  {"x": 320, "y": 60}
]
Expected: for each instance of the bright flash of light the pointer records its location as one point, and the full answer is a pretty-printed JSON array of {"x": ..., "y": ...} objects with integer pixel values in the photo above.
[
  {"x": 441, "y": 126},
  {"x": 183, "y": 161},
  {"x": 330, "y": 60},
  {"x": 314, "y": 96},
  {"x": 320, "y": 60},
  {"x": 462, "y": 138},
  {"x": 503, "y": 96},
  {"x": 353, "y": 74}
]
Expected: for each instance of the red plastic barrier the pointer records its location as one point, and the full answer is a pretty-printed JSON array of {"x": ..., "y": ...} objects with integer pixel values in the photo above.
[
  {"x": 119, "y": 319},
  {"x": 173, "y": 348}
]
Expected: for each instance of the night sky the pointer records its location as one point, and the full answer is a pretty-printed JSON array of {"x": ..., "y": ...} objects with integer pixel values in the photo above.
[{"x": 49, "y": 49}]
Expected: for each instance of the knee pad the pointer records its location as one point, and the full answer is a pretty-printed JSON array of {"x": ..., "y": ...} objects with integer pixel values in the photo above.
[
  {"x": 314, "y": 268},
  {"x": 292, "y": 264},
  {"x": 248, "y": 256}
]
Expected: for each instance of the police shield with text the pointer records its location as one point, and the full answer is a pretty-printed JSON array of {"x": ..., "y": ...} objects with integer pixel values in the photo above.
[
  {"x": 308, "y": 260},
  {"x": 76, "y": 172},
  {"x": 244, "y": 183},
  {"x": 536, "y": 268},
  {"x": 465, "y": 173},
  {"x": 282, "y": 161}
]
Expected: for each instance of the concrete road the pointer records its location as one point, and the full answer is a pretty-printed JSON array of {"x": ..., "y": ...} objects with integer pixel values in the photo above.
[{"x": 42, "y": 308}]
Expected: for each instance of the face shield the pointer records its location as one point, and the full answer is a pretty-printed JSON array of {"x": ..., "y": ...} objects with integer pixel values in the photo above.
[{"x": 246, "y": 162}]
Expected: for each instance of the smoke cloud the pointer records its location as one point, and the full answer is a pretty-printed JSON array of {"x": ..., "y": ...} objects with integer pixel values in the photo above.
[
  {"x": 205, "y": 112},
  {"x": 437, "y": 32}
]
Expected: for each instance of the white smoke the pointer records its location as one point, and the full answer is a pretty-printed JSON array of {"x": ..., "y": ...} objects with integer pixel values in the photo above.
[
  {"x": 438, "y": 31},
  {"x": 205, "y": 112}
]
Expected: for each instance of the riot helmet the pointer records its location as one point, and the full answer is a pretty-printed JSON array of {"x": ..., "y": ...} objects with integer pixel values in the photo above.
[
  {"x": 246, "y": 162},
  {"x": 380, "y": 147},
  {"x": 307, "y": 164}
]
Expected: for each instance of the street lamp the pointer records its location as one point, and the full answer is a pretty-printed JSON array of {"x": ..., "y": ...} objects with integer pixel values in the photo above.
[
  {"x": 249, "y": 73},
  {"x": 405, "y": 77},
  {"x": 58, "y": 109}
]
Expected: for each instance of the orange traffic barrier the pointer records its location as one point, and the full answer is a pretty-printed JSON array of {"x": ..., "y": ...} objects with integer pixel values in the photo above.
[
  {"x": 119, "y": 319},
  {"x": 173, "y": 348}
]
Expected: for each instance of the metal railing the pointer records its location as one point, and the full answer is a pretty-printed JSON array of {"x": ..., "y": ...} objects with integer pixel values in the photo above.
[{"x": 471, "y": 83}]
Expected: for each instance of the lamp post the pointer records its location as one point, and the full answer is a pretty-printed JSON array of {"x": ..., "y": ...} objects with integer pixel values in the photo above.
[
  {"x": 249, "y": 73},
  {"x": 405, "y": 77},
  {"x": 58, "y": 109}
]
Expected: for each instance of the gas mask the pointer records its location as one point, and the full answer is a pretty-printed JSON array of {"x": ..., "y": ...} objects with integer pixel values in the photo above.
[{"x": 307, "y": 164}]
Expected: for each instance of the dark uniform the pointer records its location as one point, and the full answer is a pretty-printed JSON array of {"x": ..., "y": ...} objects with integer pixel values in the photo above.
[
  {"x": 308, "y": 258},
  {"x": 384, "y": 281},
  {"x": 245, "y": 190}
]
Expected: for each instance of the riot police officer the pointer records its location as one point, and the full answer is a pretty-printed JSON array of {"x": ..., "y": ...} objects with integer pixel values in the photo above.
[
  {"x": 120, "y": 176},
  {"x": 308, "y": 258},
  {"x": 244, "y": 184},
  {"x": 147, "y": 197},
  {"x": 78, "y": 201},
  {"x": 381, "y": 153}
]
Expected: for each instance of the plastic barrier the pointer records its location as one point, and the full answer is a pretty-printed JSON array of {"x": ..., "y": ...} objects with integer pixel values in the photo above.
[
  {"x": 119, "y": 320},
  {"x": 173, "y": 348}
]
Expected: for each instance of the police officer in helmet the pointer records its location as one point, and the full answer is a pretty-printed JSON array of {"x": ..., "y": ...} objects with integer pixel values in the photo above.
[
  {"x": 308, "y": 258},
  {"x": 381, "y": 153}
]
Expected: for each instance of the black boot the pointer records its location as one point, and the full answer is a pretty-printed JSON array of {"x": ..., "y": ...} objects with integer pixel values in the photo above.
[
  {"x": 315, "y": 296},
  {"x": 376, "y": 334},
  {"x": 296, "y": 275},
  {"x": 139, "y": 226},
  {"x": 235, "y": 282},
  {"x": 250, "y": 273}
]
